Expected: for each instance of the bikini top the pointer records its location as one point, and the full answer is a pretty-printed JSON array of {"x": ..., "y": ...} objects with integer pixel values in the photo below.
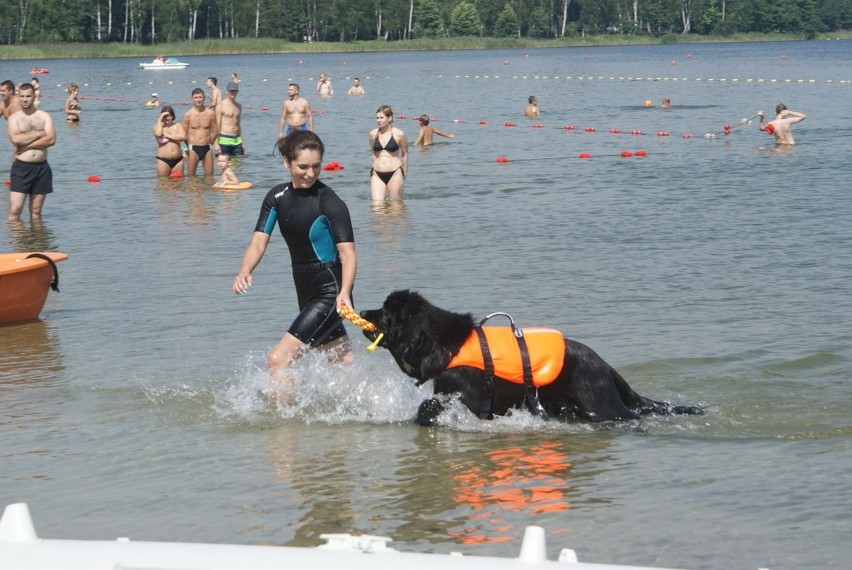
[
  {"x": 163, "y": 139},
  {"x": 390, "y": 146}
]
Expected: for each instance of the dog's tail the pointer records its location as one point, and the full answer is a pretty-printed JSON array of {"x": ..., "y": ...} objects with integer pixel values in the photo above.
[{"x": 643, "y": 405}]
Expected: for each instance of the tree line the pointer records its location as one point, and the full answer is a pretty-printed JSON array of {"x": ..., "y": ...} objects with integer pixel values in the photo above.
[{"x": 157, "y": 21}]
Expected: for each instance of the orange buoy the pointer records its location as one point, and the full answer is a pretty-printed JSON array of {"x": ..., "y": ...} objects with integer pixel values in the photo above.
[
  {"x": 626, "y": 153},
  {"x": 176, "y": 175},
  {"x": 502, "y": 159},
  {"x": 584, "y": 155},
  {"x": 640, "y": 153},
  {"x": 93, "y": 178}
]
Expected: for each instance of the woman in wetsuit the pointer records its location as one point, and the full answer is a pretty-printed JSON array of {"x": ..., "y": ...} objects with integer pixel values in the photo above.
[
  {"x": 316, "y": 225},
  {"x": 169, "y": 136},
  {"x": 389, "y": 150},
  {"x": 72, "y": 104}
]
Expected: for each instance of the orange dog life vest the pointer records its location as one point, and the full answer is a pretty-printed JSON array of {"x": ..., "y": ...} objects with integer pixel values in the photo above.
[{"x": 546, "y": 349}]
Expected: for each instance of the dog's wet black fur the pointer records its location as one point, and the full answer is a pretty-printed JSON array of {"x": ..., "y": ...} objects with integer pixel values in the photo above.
[{"x": 422, "y": 339}]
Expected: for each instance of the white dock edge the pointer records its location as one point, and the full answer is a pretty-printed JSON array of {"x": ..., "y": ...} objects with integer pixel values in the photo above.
[{"x": 22, "y": 549}]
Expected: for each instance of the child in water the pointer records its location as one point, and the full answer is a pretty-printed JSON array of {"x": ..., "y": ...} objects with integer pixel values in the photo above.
[{"x": 228, "y": 177}]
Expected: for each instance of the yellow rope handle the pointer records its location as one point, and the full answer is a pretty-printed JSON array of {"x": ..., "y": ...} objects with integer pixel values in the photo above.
[
  {"x": 356, "y": 319},
  {"x": 349, "y": 314}
]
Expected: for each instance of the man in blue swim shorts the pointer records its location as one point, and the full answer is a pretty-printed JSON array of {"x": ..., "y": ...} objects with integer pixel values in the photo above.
[
  {"x": 32, "y": 133},
  {"x": 228, "y": 113},
  {"x": 295, "y": 113}
]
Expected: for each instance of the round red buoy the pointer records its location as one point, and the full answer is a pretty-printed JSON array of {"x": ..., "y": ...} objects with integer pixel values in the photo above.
[
  {"x": 502, "y": 159},
  {"x": 640, "y": 153},
  {"x": 727, "y": 126},
  {"x": 93, "y": 178},
  {"x": 508, "y": 124},
  {"x": 8, "y": 182},
  {"x": 614, "y": 131},
  {"x": 590, "y": 129},
  {"x": 584, "y": 155},
  {"x": 538, "y": 126},
  {"x": 264, "y": 108},
  {"x": 674, "y": 62},
  {"x": 505, "y": 62},
  {"x": 400, "y": 116},
  {"x": 663, "y": 134},
  {"x": 569, "y": 127},
  {"x": 482, "y": 122},
  {"x": 176, "y": 175},
  {"x": 635, "y": 132},
  {"x": 626, "y": 153},
  {"x": 687, "y": 135}
]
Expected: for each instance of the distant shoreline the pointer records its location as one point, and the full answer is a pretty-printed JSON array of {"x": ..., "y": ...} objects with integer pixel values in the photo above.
[{"x": 247, "y": 46}]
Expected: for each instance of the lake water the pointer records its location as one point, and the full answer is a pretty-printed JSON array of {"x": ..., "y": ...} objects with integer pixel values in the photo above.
[{"x": 712, "y": 271}]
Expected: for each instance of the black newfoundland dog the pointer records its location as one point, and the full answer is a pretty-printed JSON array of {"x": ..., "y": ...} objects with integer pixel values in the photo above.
[{"x": 555, "y": 378}]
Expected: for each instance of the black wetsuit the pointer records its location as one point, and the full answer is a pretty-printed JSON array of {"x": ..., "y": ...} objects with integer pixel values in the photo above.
[{"x": 313, "y": 221}]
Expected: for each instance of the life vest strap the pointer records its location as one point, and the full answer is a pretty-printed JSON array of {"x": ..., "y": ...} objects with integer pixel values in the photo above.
[{"x": 530, "y": 390}]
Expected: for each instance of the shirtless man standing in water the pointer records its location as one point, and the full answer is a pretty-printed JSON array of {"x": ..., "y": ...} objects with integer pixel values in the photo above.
[
  {"x": 9, "y": 103},
  {"x": 780, "y": 126},
  {"x": 228, "y": 114},
  {"x": 295, "y": 113},
  {"x": 31, "y": 132},
  {"x": 199, "y": 123}
]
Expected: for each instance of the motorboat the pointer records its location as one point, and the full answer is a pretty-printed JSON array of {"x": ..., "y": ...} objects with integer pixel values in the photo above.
[
  {"x": 25, "y": 279},
  {"x": 21, "y": 548},
  {"x": 161, "y": 62}
]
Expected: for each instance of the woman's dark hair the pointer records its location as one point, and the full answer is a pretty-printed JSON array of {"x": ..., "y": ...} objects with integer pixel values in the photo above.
[
  {"x": 294, "y": 143},
  {"x": 168, "y": 109}
]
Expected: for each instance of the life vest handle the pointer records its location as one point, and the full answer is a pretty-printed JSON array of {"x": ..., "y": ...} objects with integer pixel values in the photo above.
[{"x": 515, "y": 330}]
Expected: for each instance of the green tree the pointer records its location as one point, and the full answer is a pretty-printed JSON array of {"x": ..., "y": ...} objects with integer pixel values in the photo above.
[
  {"x": 464, "y": 20},
  {"x": 428, "y": 22},
  {"x": 507, "y": 23}
]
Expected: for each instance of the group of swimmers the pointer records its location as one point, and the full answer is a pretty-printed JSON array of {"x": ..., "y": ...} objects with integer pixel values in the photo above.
[{"x": 206, "y": 129}]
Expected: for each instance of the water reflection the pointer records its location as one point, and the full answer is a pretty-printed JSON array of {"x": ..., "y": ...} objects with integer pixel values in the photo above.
[
  {"x": 31, "y": 235},
  {"x": 437, "y": 486},
  {"x": 391, "y": 224},
  {"x": 29, "y": 353},
  {"x": 193, "y": 198}
]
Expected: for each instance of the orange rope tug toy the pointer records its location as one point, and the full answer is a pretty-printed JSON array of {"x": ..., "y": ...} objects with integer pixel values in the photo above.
[{"x": 358, "y": 320}]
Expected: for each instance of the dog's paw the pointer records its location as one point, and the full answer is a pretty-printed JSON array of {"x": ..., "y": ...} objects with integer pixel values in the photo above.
[{"x": 428, "y": 412}]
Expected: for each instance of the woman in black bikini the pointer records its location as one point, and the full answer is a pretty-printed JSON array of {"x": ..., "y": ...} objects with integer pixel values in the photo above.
[
  {"x": 389, "y": 149},
  {"x": 169, "y": 135},
  {"x": 72, "y": 104}
]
